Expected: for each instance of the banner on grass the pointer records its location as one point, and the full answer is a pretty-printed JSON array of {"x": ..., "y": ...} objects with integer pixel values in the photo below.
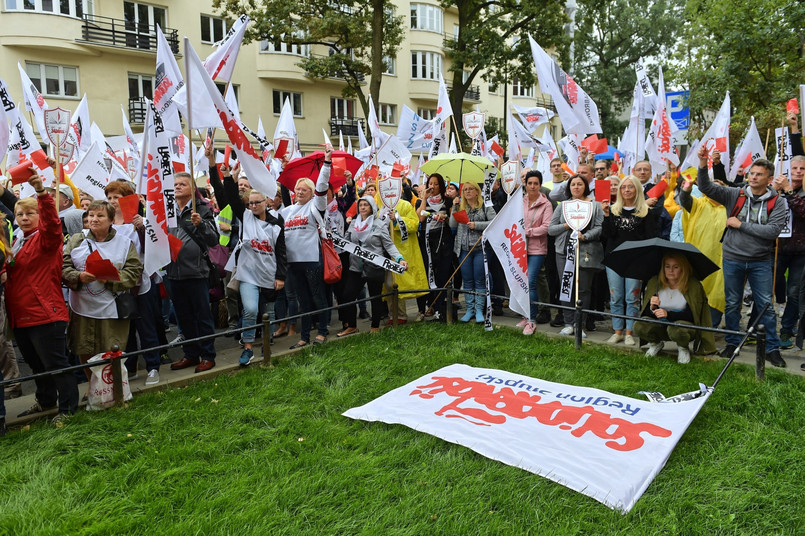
[{"x": 606, "y": 446}]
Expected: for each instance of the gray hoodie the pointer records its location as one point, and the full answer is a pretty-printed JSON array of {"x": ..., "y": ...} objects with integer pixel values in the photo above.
[{"x": 754, "y": 240}]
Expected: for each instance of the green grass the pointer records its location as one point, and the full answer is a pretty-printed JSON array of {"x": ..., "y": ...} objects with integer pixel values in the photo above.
[{"x": 266, "y": 451}]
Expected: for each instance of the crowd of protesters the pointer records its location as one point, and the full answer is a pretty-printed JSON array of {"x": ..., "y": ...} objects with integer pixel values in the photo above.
[{"x": 265, "y": 256}]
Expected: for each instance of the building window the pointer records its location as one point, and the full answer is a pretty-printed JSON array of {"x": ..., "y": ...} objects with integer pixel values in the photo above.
[
  {"x": 493, "y": 88},
  {"x": 390, "y": 65},
  {"x": 72, "y": 8},
  {"x": 427, "y": 114},
  {"x": 426, "y": 65},
  {"x": 426, "y": 17},
  {"x": 342, "y": 108},
  {"x": 213, "y": 29},
  {"x": 54, "y": 80},
  {"x": 281, "y": 47},
  {"x": 141, "y": 85},
  {"x": 233, "y": 87},
  {"x": 295, "y": 98},
  {"x": 387, "y": 114},
  {"x": 520, "y": 90},
  {"x": 140, "y": 21}
]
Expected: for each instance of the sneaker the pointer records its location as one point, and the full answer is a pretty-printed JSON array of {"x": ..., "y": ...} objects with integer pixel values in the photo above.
[
  {"x": 567, "y": 330},
  {"x": 179, "y": 338},
  {"x": 775, "y": 358},
  {"x": 59, "y": 420},
  {"x": 628, "y": 340},
  {"x": 558, "y": 320},
  {"x": 246, "y": 357},
  {"x": 153, "y": 377},
  {"x": 654, "y": 348},
  {"x": 615, "y": 338},
  {"x": 529, "y": 329},
  {"x": 683, "y": 357},
  {"x": 785, "y": 341},
  {"x": 36, "y": 408},
  {"x": 420, "y": 317},
  {"x": 543, "y": 317},
  {"x": 522, "y": 323},
  {"x": 728, "y": 351},
  {"x": 583, "y": 334}
]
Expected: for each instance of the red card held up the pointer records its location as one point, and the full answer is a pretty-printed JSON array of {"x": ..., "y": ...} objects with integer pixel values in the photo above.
[
  {"x": 227, "y": 154},
  {"x": 101, "y": 268},
  {"x": 339, "y": 166},
  {"x": 129, "y": 206},
  {"x": 461, "y": 216},
  {"x": 20, "y": 173},
  {"x": 792, "y": 106},
  {"x": 658, "y": 189},
  {"x": 281, "y": 148},
  {"x": 602, "y": 189}
]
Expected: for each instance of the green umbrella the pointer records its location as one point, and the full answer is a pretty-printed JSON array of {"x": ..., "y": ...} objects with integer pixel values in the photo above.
[{"x": 460, "y": 167}]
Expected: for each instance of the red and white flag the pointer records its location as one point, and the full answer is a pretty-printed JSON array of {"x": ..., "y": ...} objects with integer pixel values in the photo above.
[
  {"x": 131, "y": 141},
  {"x": 286, "y": 130},
  {"x": 168, "y": 84},
  {"x": 717, "y": 136},
  {"x": 660, "y": 141},
  {"x": 749, "y": 150},
  {"x": 577, "y": 111},
  {"x": 221, "y": 62},
  {"x": 604, "y": 445},
  {"x": 443, "y": 107},
  {"x": 6, "y": 105},
  {"x": 506, "y": 235},
  {"x": 533, "y": 116},
  {"x": 79, "y": 132},
  {"x": 34, "y": 102},
  {"x": 21, "y": 140}
]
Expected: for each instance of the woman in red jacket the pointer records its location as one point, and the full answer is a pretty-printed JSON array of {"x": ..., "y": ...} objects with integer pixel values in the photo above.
[{"x": 34, "y": 301}]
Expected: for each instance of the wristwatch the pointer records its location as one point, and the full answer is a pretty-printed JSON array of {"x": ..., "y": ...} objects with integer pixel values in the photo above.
[{"x": 789, "y": 192}]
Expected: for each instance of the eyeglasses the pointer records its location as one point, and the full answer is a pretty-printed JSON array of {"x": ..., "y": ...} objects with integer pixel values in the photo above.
[
  {"x": 255, "y": 203},
  {"x": 600, "y": 169}
]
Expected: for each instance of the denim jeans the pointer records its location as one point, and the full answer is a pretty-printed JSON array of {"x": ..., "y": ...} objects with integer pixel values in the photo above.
[
  {"x": 307, "y": 279},
  {"x": 759, "y": 276},
  {"x": 795, "y": 263},
  {"x": 472, "y": 271},
  {"x": 191, "y": 301},
  {"x": 253, "y": 304},
  {"x": 534, "y": 266},
  {"x": 624, "y": 293}
]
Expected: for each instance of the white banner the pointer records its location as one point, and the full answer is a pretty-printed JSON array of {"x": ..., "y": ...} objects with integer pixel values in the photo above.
[
  {"x": 606, "y": 446},
  {"x": 91, "y": 174},
  {"x": 368, "y": 256}
]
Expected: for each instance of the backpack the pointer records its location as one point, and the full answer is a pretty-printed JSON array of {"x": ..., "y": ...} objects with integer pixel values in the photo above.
[{"x": 741, "y": 201}]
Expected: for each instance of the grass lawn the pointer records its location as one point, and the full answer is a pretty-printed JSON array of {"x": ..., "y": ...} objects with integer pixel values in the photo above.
[{"x": 266, "y": 451}]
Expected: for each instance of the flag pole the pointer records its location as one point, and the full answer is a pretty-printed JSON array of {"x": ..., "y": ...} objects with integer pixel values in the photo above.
[
  {"x": 189, "y": 129},
  {"x": 58, "y": 165},
  {"x": 766, "y": 147}
]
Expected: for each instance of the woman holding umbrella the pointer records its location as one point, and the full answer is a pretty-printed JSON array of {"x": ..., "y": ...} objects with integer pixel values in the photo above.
[
  {"x": 675, "y": 295},
  {"x": 630, "y": 218}
]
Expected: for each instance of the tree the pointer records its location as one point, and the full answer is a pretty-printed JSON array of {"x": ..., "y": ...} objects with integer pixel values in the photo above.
[
  {"x": 492, "y": 39},
  {"x": 755, "y": 49},
  {"x": 610, "y": 37},
  {"x": 360, "y": 34}
]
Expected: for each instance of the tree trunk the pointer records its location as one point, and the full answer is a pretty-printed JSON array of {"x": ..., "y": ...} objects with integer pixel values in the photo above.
[{"x": 376, "y": 77}]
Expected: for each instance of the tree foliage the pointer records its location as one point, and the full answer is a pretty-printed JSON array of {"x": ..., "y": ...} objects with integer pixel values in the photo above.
[
  {"x": 610, "y": 37},
  {"x": 358, "y": 33},
  {"x": 755, "y": 49},
  {"x": 492, "y": 41}
]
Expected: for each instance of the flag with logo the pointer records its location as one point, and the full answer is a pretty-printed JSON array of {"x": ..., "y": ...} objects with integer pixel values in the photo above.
[
  {"x": 533, "y": 116},
  {"x": 577, "y": 111},
  {"x": 659, "y": 144},
  {"x": 607, "y": 446},
  {"x": 749, "y": 150},
  {"x": 717, "y": 136},
  {"x": 221, "y": 62},
  {"x": 416, "y": 132},
  {"x": 34, "y": 103},
  {"x": 168, "y": 85},
  {"x": 648, "y": 104},
  {"x": 6, "y": 105},
  {"x": 91, "y": 173}
]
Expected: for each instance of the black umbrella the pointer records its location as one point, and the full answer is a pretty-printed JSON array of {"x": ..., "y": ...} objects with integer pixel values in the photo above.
[{"x": 642, "y": 259}]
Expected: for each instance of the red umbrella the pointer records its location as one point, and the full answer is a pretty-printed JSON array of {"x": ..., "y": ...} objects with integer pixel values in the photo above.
[{"x": 310, "y": 165}]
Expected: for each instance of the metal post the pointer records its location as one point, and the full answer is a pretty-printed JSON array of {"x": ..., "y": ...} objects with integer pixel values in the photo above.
[
  {"x": 760, "y": 354},
  {"x": 395, "y": 302},
  {"x": 449, "y": 303},
  {"x": 266, "y": 339},
  {"x": 577, "y": 324},
  {"x": 117, "y": 377}
]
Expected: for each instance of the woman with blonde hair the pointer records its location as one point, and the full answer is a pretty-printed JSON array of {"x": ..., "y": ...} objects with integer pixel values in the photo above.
[
  {"x": 628, "y": 219},
  {"x": 675, "y": 295},
  {"x": 471, "y": 258}
]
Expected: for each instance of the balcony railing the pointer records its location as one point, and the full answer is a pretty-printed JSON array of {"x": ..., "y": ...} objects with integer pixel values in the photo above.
[
  {"x": 546, "y": 103},
  {"x": 137, "y": 110},
  {"x": 473, "y": 93},
  {"x": 126, "y": 34},
  {"x": 347, "y": 125}
]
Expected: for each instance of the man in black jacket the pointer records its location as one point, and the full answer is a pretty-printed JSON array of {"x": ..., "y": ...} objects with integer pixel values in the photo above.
[{"x": 188, "y": 276}]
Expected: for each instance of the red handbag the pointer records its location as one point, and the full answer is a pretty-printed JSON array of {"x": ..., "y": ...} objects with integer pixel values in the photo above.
[{"x": 331, "y": 261}]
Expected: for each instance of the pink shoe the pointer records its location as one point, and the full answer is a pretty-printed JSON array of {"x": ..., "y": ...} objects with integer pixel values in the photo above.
[
  {"x": 522, "y": 323},
  {"x": 530, "y": 328}
]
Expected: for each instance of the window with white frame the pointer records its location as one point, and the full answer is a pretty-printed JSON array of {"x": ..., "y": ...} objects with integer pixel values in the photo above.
[
  {"x": 342, "y": 108},
  {"x": 281, "y": 46},
  {"x": 71, "y": 8},
  {"x": 387, "y": 114},
  {"x": 493, "y": 88},
  {"x": 295, "y": 98},
  {"x": 426, "y": 17},
  {"x": 213, "y": 29},
  {"x": 520, "y": 90},
  {"x": 426, "y": 65},
  {"x": 53, "y": 80},
  {"x": 141, "y": 85},
  {"x": 426, "y": 113},
  {"x": 390, "y": 65}
]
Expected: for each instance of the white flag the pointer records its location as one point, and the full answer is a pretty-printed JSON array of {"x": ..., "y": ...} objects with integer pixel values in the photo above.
[
  {"x": 260, "y": 177},
  {"x": 340, "y": 140},
  {"x": 416, "y": 132},
  {"x": 649, "y": 101},
  {"x": 91, "y": 174},
  {"x": 576, "y": 109},
  {"x": 533, "y": 116},
  {"x": 718, "y": 135},
  {"x": 21, "y": 137},
  {"x": 232, "y": 102},
  {"x": 633, "y": 141},
  {"x": 692, "y": 158},
  {"x": 659, "y": 144},
  {"x": 782, "y": 162},
  {"x": 519, "y": 137},
  {"x": 79, "y": 133},
  {"x": 570, "y": 146},
  {"x": 749, "y": 150},
  {"x": 506, "y": 235},
  {"x": 286, "y": 128},
  {"x": 378, "y": 136},
  {"x": 393, "y": 150},
  {"x": 168, "y": 85},
  {"x": 443, "y": 107},
  {"x": 221, "y": 62},
  {"x": 34, "y": 102},
  {"x": 130, "y": 139},
  {"x": 6, "y": 105},
  {"x": 326, "y": 137}
]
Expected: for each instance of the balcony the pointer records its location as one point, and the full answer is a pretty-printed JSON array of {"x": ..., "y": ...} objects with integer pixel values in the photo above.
[
  {"x": 473, "y": 93},
  {"x": 125, "y": 34},
  {"x": 545, "y": 102},
  {"x": 347, "y": 125},
  {"x": 137, "y": 111}
]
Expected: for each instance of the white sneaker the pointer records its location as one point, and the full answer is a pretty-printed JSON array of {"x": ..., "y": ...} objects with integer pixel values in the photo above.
[
  {"x": 583, "y": 334},
  {"x": 567, "y": 330},
  {"x": 628, "y": 340},
  {"x": 654, "y": 348},
  {"x": 615, "y": 338},
  {"x": 683, "y": 357},
  {"x": 153, "y": 377},
  {"x": 178, "y": 339}
]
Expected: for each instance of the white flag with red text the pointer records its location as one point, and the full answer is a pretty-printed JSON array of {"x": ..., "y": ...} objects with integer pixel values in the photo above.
[
  {"x": 506, "y": 235},
  {"x": 749, "y": 150},
  {"x": 168, "y": 84},
  {"x": 533, "y": 116},
  {"x": 660, "y": 141},
  {"x": 221, "y": 62},
  {"x": 604, "y": 445},
  {"x": 717, "y": 136}
]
